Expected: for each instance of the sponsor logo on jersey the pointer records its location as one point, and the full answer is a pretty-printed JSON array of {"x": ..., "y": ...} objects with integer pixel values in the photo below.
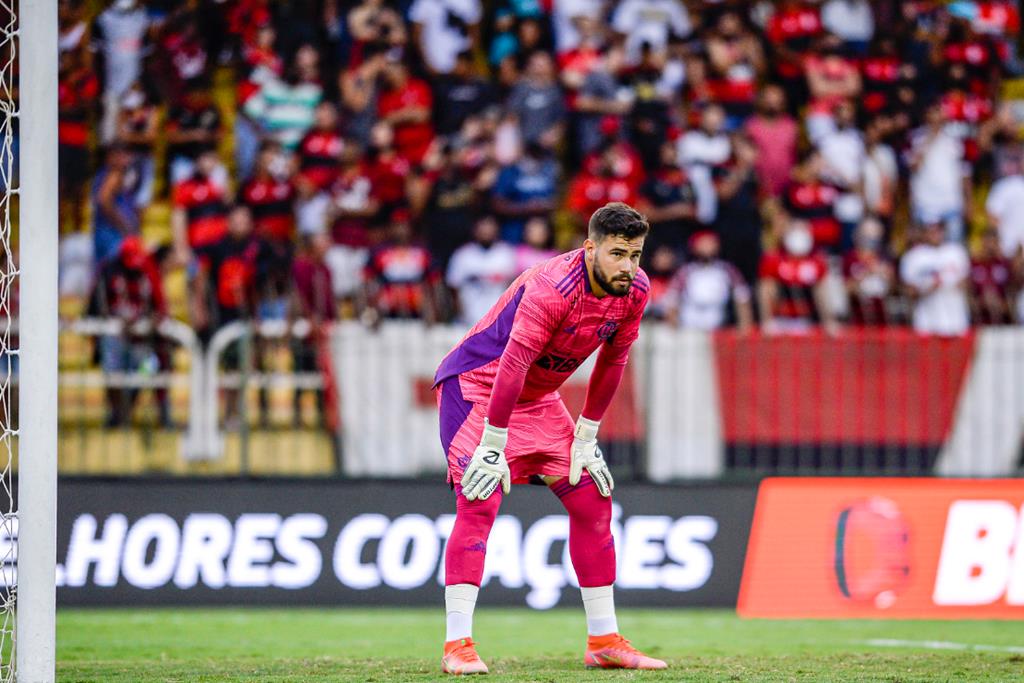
[{"x": 557, "y": 363}]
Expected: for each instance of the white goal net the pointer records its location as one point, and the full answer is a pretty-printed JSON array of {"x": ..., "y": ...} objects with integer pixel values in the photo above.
[
  {"x": 28, "y": 345},
  {"x": 8, "y": 339}
]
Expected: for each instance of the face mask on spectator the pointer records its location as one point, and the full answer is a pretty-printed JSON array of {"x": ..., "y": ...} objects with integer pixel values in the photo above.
[
  {"x": 133, "y": 99},
  {"x": 278, "y": 167},
  {"x": 869, "y": 243},
  {"x": 798, "y": 241}
]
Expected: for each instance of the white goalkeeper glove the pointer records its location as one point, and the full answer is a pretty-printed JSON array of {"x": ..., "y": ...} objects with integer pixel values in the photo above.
[
  {"x": 586, "y": 454},
  {"x": 488, "y": 467}
]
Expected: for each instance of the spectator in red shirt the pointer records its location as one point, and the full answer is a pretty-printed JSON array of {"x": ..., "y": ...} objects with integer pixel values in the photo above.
[
  {"x": 832, "y": 79},
  {"x": 181, "y": 60},
  {"x": 580, "y": 60},
  {"x": 233, "y": 274},
  {"x": 869, "y": 274},
  {"x": 388, "y": 170},
  {"x": 809, "y": 198},
  {"x": 234, "y": 279},
  {"x": 400, "y": 281},
  {"x": 193, "y": 128},
  {"x": 406, "y": 105},
  {"x": 270, "y": 195},
  {"x": 129, "y": 289},
  {"x": 320, "y": 150},
  {"x": 311, "y": 279},
  {"x": 1000, "y": 20},
  {"x": 246, "y": 18},
  {"x": 353, "y": 204},
  {"x": 200, "y": 213},
  {"x": 668, "y": 200},
  {"x": 77, "y": 93},
  {"x": 994, "y": 283},
  {"x": 880, "y": 75},
  {"x": 965, "y": 110},
  {"x": 791, "y": 286},
  {"x": 736, "y": 61},
  {"x": 790, "y": 31},
  {"x": 962, "y": 45},
  {"x": 606, "y": 179},
  {"x": 313, "y": 300}
]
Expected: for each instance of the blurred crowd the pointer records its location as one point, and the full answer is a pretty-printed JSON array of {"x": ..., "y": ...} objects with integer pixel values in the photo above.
[{"x": 842, "y": 162}]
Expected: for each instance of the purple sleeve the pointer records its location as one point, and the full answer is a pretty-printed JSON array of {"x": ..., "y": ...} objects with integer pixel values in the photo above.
[{"x": 508, "y": 383}]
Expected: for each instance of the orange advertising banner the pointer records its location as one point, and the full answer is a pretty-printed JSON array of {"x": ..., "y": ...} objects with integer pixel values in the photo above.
[{"x": 885, "y": 548}]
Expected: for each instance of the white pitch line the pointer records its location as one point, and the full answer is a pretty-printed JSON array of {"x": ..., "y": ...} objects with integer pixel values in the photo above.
[{"x": 942, "y": 645}]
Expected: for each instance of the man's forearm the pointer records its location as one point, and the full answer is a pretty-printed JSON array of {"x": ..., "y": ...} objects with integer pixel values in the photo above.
[
  {"x": 508, "y": 384},
  {"x": 604, "y": 381}
]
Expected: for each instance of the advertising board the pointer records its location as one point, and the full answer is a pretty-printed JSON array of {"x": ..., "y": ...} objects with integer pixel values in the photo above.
[
  {"x": 886, "y": 548},
  {"x": 322, "y": 542}
]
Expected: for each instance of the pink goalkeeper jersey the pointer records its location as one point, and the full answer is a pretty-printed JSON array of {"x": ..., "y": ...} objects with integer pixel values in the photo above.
[{"x": 551, "y": 310}]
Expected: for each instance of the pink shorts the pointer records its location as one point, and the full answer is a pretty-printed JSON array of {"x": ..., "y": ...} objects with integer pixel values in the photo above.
[{"x": 539, "y": 436}]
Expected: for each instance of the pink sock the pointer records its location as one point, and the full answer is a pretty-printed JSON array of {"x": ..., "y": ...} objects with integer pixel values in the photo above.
[
  {"x": 591, "y": 545},
  {"x": 467, "y": 546}
]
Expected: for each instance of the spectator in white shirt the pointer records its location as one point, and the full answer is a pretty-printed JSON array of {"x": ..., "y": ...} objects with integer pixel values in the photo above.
[
  {"x": 1005, "y": 209},
  {"x": 649, "y": 22},
  {"x": 843, "y": 156},
  {"x": 698, "y": 296},
  {"x": 881, "y": 170},
  {"x": 444, "y": 28},
  {"x": 935, "y": 275},
  {"x": 851, "y": 20},
  {"x": 565, "y": 17},
  {"x": 940, "y": 181},
  {"x": 699, "y": 152},
  {"x": 480, "y": 271},
  {"x": 119, "y": 35}
]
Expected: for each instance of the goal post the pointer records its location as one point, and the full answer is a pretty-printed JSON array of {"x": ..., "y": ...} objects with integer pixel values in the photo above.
[{"x": 35, "y": 634}]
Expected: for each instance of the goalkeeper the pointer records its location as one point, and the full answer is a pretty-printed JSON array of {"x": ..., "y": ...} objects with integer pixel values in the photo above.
[{"x": 503, "y": 422}]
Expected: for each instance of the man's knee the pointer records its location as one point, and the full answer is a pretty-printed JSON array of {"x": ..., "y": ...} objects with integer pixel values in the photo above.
[{"x": 478, "y": 512}]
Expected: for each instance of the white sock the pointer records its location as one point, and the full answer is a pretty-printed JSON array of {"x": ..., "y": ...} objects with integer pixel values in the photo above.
[
  {"x": 459, "y": 602},
  {"x": 599, "y": 604}
]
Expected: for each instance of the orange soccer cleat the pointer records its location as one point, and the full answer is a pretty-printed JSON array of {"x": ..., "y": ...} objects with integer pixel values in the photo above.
[
  {"x": 460, "y": 658},
  {"x": 612, "y": 651}
]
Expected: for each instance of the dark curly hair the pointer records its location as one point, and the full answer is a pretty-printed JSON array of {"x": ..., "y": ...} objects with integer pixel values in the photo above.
[{"x": 616, "y": 218}]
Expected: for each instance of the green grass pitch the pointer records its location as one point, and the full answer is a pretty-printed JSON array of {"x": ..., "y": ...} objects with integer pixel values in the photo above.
[{"x": 119, "y": 645}]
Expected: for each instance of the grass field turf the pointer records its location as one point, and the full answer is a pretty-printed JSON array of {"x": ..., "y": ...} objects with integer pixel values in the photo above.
[{"x": 120, "y": 645}]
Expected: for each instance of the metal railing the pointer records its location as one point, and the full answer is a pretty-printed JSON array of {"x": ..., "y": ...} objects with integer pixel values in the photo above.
[{"x": 193, "y": 439}]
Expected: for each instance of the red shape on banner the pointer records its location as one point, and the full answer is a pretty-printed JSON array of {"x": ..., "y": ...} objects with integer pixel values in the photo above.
[
  {"x": 885, "y": 548},
  {"x": 871, "y": 386}
]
